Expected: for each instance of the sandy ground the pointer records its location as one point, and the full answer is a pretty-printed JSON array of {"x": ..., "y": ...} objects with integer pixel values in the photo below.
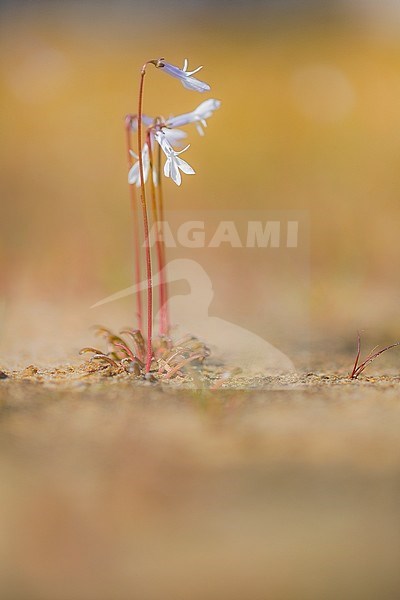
[{"x": 114, "y": 489}]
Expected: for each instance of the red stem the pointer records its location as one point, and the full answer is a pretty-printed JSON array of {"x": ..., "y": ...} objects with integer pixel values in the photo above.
[
  {"x": 357, "y": 357},
  {"x": 157, "y": 236},
  {"x": 146, "y": 228},
  {"x": 164, "y": 307},
  {"x": 132, "y": 193}
]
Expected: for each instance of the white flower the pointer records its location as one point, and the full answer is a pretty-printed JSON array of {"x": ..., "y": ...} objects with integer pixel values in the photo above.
[
  {"x": 147, "y": 121},
  {"x": 185, "y": 76},
  {"x": 173, "y": 162},
  {"x": 134, "y": 171},
  {"x": 199, "y": 115},
  {"x": 174, "y": 136}
]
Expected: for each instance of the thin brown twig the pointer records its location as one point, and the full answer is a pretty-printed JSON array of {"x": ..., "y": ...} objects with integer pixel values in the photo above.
[
  {"x": 136, "y": 236},
  {"x": 359, "y": 368},
  {"x": 164, "y": 312},
  {"x": 149, "y": 355},
  {"x": 157, "y": 239},
  {"x": 184, "y": 362}
]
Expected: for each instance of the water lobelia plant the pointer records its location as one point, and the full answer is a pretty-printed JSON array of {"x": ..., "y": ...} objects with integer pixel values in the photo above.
[
  {"x": 163, "y": 132},
  {"x": 156, "y": 138}
]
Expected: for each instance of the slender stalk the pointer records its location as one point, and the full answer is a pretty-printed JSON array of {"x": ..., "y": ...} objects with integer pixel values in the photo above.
[
  {"x": 352, "y": 375},
  {"x": 182, "y": 364},
  {"x": 145, "y": 227},
  {"x": 155, "y": 217},
  {"x": 136, "y": 237},
  {"x": 359, "y": 368},
  {"x": 163, "y": 282}
]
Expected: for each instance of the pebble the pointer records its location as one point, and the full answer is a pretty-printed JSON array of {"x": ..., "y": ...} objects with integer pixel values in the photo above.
[{"x": 29, "y": 371}]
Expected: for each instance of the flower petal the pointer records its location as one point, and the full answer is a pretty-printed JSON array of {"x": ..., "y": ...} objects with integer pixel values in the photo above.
[
  {"x": 206, "y": 108},
  {"x": 175, "y": 174},
  {"x": 199, "y": 129},
  {"x": 133, "y": 174},
  {"x": 166, "y": 147},
  {"x": 190, "y": 73},
  {"x": 181, "y": 120},
  {"x": 147, "y": 121},
  {"x": 183, "y": 150},
  {"x": 191, "y": 83},
  {"x": 167, "y": 168},
  {"x": 174, "y": 136},
  {"x": 171, "y": 70},
  {"x": 184, "y": 166}
]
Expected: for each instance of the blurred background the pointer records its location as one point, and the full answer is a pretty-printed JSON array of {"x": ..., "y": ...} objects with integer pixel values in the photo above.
[
  {"x": 115, "y": 490},
  {"x": 310, "y": 121}
]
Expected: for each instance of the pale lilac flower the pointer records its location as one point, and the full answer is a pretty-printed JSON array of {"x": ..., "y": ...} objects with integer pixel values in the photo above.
[
  {"x": 173, "y": 162},
  {"x": 174, "y": 136},
  {"x": 134, "y": 172},
  {"x": 199, "y": 115},
  {"x": 185, "y": 76},
  {"x": 147, "y": 122}
]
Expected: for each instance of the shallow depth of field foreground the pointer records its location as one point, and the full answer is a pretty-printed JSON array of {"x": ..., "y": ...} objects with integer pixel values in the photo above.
[{"x": 255, "y": 460}]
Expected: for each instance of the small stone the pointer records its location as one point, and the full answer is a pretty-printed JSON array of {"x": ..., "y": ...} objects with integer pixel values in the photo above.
[
  {"x": 132, "y": 367},
  {"x": 3, "y": 375},
  {"x": 150, "y": 378},
  {"x": 30, "y": 371}
]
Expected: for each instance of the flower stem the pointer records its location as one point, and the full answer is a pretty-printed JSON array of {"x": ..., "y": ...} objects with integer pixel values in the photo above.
[
  {"x": 145, "y": 227},
  {"x": 136, "y": 237},
  {"x": 164, "y": 308},
  {"x": 155, "y": 217}
]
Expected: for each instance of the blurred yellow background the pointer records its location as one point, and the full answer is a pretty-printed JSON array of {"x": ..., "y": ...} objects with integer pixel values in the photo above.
[
  {"x": 310, "y": 120},
  {"x": 113, "y": 490}
]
